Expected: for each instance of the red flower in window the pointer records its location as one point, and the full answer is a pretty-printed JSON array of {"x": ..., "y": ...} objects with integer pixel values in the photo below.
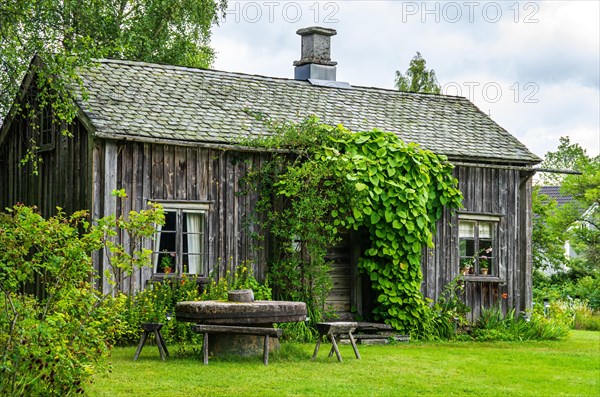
[{"x": 505, "y": 296}]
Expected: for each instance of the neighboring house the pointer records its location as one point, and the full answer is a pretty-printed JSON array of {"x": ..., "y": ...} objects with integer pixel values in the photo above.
[{"x": 171, "y": 134}]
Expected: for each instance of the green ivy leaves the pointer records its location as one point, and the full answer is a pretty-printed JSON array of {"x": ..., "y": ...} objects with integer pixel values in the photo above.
[{"x": 394, "y": 190}]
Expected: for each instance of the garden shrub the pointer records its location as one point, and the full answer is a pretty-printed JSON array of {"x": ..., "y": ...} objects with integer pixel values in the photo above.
[
  {"x": 588, "y": 288},
  {"x": 156, "y": 304},
  {"x": 240, "y": 278},
  {"x": 49, "y": 345},
  {"x": 585, "y": 320},
  {"x": 445, "y": 317},
  {"x": 53, "y": 327},
  {"x": 568, "y": 285},
  {"x": 493, "y": 325}
]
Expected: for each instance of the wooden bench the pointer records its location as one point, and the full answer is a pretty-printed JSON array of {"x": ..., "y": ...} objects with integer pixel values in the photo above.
[
  {"x": 333, "y": 331},
  {"x": 236, "y": 330}
]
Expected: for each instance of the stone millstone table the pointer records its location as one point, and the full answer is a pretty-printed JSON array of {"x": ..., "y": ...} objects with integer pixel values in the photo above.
[{"x": 260, "y": 314}]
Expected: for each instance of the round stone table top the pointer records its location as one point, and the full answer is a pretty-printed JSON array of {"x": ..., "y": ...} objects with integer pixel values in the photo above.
[{"x": 240, "y": 313}]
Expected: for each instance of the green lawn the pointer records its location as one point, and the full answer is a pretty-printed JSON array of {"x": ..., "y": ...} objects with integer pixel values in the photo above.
[{"x": 570, "y": 367}]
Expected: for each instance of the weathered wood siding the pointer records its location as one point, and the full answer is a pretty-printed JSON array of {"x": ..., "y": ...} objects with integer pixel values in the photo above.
[
  {"x": 505, "y": 192},
  {"x": 63, "y": 171},
  {"x": 150, "y": 171},
  {"x": 79, "y": 173}
]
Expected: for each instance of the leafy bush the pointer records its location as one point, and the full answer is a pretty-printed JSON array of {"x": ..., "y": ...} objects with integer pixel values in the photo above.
[
  {"x": 584, "y": 318},
  {"x": 446, "y": 316},
  {"x": 568, "y": 285},
  {"x": 48, "y": 345},
  {"x": 241, "y": 278},
  {"x": 494, "y": 325},
  {"x": 125, "y": 314},
  {"x": 52, "y": 320},
  {"x": 545, "y": 328},
  {"x": 588, "y": 288},
  {"x": 588, "y": 323},
  {"x": 304, "y": 332}
]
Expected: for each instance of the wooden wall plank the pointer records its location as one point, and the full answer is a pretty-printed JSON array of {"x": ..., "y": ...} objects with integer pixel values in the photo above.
[
  {"x": 230, "y": 226},
  {"x": 110, "y": 204},
  {"x": 148, "y": 182},
  {"x": 169, "y": 172},
  {"x": 157, "y": 172},
  {"x": 181, "y": 176},
  {"x": 209, "y": 189},
  {"x": 221, "y": 173},
  {"x": 192, "y": 174}
]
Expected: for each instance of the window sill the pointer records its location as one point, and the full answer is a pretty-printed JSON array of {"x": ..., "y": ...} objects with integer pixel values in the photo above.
[
  {"x": 485, "y": 279},
  {"x": 160, "y": 277}
]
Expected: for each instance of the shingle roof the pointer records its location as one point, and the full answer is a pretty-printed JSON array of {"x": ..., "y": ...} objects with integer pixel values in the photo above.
[
  {"x": 135, "y": 99},
  {"x": 554, "y": 193}
]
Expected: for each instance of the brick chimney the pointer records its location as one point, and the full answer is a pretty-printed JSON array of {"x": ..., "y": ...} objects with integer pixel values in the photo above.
[{"x": 316, "y": 60}]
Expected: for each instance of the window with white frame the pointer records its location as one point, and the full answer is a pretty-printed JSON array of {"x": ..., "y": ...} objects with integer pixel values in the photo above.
[
  {"x": 477, "y": 244},
  {"x": 180, "y": 244}
]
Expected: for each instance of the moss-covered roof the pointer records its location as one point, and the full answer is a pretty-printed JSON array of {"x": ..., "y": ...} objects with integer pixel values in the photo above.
[{"x": 150, "y": 101}]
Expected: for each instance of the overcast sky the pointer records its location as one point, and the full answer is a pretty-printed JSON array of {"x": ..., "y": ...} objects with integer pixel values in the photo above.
[{"x": 534, "y": 66}]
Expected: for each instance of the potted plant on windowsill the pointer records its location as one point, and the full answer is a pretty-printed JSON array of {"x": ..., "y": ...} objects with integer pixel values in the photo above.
[
  {"x": 484, "y": 266},
  {"x": 166, "y": 263},
  {"x": 484, "y": 261},
  {"x": 466, "y": 266}
]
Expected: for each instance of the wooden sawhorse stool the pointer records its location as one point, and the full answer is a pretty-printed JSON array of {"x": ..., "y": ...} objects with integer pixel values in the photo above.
[
  {"x": 333, "y": 331},
  {"x": 162, "y": 346}
]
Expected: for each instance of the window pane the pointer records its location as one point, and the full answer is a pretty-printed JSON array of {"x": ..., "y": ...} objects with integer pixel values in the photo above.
[
  {"x": 193, "y": 239},
  {"x": 165, "y": 251},
  {"x": 170, "y": 221},
  {"x": 466, "y": 229},
  {"x": 485, "y": 245},
  {"x": 485, "y": 230},
  {"x": 467, "y": 247}
]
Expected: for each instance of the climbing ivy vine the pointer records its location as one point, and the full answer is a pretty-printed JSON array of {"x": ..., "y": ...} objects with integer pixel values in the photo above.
[{"x": 333, "y": 180}]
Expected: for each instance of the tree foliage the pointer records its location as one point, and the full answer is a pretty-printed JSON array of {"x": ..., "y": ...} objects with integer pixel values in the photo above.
[
  {"x": 584, "y": 236},
  {"x": 568, "y": 157},
  {"x": 577, "y": 222},
  {"x": 548, "y": 236},
  {"x": 417, "y": 78},
  {"x": 338, "y": 181},
  {"x": 67, "y": 34}
]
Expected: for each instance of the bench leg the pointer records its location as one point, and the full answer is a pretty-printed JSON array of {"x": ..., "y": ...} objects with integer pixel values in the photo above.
[
  {"x": 266, "y": 350},
  {"x": 205, "y": 348},
  {"x": 316, "y": 348},
  {"x": 354, "y": 345},
  {"x": 332, "y": 350},
  {"x": 159, "y": 344},
  {"x": 164, "y": 344},
  {"x": 140, "y": 345},
  {"x": 335, "y": 348}
]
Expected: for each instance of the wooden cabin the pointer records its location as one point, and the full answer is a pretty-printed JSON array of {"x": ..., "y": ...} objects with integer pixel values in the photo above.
[{"x": 171, "y": 134}]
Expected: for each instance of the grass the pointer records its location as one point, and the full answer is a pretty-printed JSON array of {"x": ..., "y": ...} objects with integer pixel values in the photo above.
[{"x": 550, "y": 368}]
